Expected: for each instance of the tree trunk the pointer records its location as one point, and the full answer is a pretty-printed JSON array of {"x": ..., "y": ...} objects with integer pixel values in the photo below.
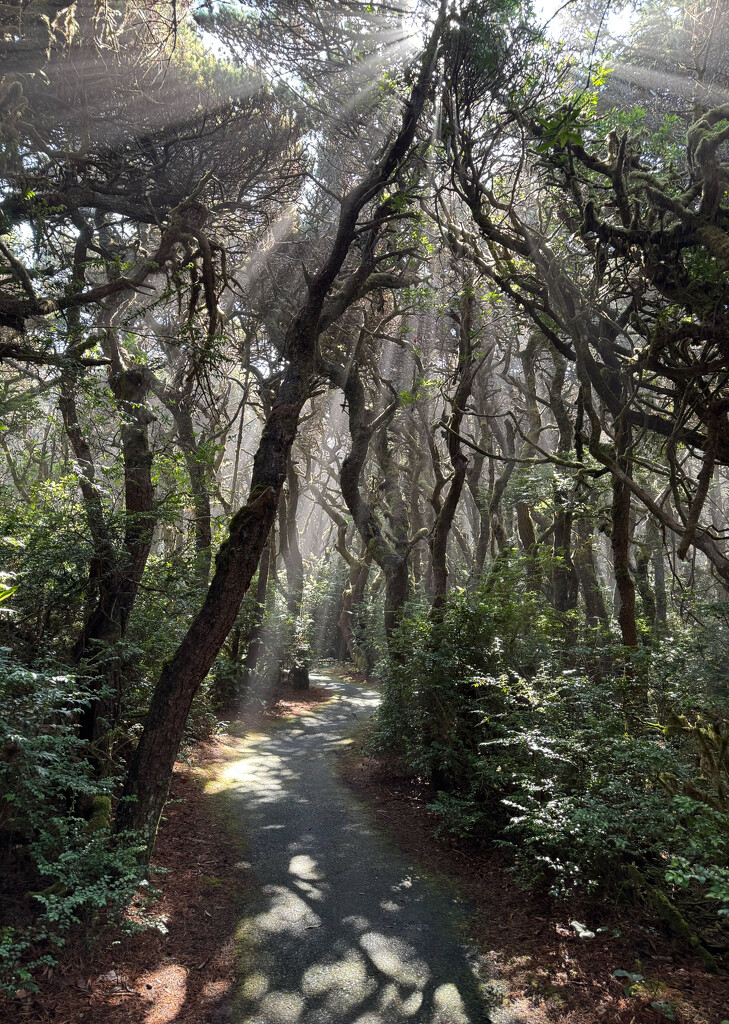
[
  {"x": 290, "y": 548},
  {"x": 524, "y": 522},
  {"x": 397, "y": 590},
  {"x": 416, "y": 460},
  {"x": 198, "y": 475},
  {"x": 176, "y": 399},
  {"x": 447, "y": 511},
  {"x": 528, "y": 540},
  {"x": 595, "y": 610},
  {"x": 643, "y": 586},
  {"x": 564, "y": 577},
  {"x": 481, "y": 523},
  {"x": 151, "y": 765},
  {"x": 351, "y": 597},
  {"x": 236, "y": 464},
  {"x": 392, "y": 557},
  {"x": 621, "y": 541},
  {"x": 498, "y": 533},
  {"x": 655, "y": 543},
  {"x": 254, "y": 637},
  {"x": 117, "y": 576}
]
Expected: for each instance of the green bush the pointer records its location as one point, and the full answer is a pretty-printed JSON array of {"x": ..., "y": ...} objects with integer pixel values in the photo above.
[
  {"x": 522, "y": 733},
  {"x": 47, "y": 547},
  {"x": 54, "y": 821},
  {"x": 434, "y": 692}
]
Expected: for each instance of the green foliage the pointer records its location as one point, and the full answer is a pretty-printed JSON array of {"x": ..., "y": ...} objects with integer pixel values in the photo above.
[
  {"x": 312, "y": 634},
  {"x": 419, "y": 390},
  {"x": 324, "y": 581},
  {"x": 6, "y": 590},
  {"x": 582, "y": 795},
  {"x": 73, "y": 868},
  {"x": 559, "y": 130},
  {"x": 666, "y": 1009},
  {"x": 226, "y": 681},
  {"x": 164, "y": 608},
  {"x": 436, "y": 684},
  {"x": 524, "y": 739},
  {"x": 714, "y": 879},
  {"x": 46, "y": 545}
]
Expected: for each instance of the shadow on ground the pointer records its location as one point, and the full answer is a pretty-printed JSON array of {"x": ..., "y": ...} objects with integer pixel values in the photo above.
[{"x": 343, "y": 929}]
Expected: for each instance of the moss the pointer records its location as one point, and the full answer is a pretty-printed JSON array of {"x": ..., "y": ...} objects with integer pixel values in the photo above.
[
  {"x": 674, "y": 919},
  {"x": 715, "y": 240},
  {"x": 211, "y": 882},
  {"x": 55, "y": 889},
  {"x": 100, "y": 814}
]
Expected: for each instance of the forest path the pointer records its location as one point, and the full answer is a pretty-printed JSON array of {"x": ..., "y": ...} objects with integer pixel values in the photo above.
[{"x": 344, "y": 928}]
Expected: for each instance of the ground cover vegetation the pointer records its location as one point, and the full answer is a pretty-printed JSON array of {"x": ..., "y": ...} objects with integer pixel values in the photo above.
[{"x": 392, "y": 334}]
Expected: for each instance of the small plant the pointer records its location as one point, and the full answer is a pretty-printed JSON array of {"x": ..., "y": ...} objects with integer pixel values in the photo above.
[
  {"x": 667, "y": 1009},
  {"x": 632, "y": 980}
]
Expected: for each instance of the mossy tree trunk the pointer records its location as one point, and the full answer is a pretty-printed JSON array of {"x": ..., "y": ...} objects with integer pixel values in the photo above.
[{"x": 115, "y": 574}]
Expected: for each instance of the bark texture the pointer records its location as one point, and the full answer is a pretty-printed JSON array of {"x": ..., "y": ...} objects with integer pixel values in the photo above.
[
  {"x": 115, "y": 574},
  {"x": 446, "y": 510}
]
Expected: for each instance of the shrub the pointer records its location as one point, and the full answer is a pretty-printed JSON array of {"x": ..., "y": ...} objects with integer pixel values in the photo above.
[
  {"x": 486, "y": 704},
  {"x": 434, "y": 695},
  {"x": 72, "y": 867}
]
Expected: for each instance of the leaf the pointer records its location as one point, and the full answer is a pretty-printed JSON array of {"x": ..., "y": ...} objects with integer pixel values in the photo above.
[
  {"x": 666, "y": 1009},
  {"x": 628, "y": 975}
]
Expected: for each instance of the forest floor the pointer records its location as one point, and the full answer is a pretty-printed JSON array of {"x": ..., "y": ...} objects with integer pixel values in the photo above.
[
  {"x": 182, "y": 971},
  {"x": 185, "y": 972}
]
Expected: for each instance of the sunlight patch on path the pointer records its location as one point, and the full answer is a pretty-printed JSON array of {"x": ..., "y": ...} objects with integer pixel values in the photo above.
[
  {"x": 395, "y": 959},
  {"x": 167, "y": 990},
  {"x": 344, "y": 929}
]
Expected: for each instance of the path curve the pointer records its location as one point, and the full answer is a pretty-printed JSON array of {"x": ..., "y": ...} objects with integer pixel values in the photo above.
[{"x": 344, "y": 929}]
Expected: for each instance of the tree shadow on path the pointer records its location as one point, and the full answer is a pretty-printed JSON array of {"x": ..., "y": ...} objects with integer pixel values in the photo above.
[{"x": 343, "y": 928}]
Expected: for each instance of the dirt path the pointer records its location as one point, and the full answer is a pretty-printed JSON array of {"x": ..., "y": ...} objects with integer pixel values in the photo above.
[{"x": 344, "y": 929}]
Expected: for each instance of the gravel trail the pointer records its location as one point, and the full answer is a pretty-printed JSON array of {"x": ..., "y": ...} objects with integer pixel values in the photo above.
[{"x": 345, "y": 929}]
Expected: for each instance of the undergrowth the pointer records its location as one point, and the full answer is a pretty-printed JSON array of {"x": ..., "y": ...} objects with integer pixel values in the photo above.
[{"x": 575, "y": 756}]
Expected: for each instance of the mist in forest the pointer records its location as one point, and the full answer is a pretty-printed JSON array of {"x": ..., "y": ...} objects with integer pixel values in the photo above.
[{"x": 379, "y": 339}]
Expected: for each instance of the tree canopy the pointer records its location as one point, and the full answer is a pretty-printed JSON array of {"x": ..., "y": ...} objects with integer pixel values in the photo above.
[{"x": 388, "y": 333}]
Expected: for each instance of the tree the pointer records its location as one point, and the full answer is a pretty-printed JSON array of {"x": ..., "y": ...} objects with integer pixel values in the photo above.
[
  {"x": 647, "y": 275},
  {"x": 330, "y": 291}
]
